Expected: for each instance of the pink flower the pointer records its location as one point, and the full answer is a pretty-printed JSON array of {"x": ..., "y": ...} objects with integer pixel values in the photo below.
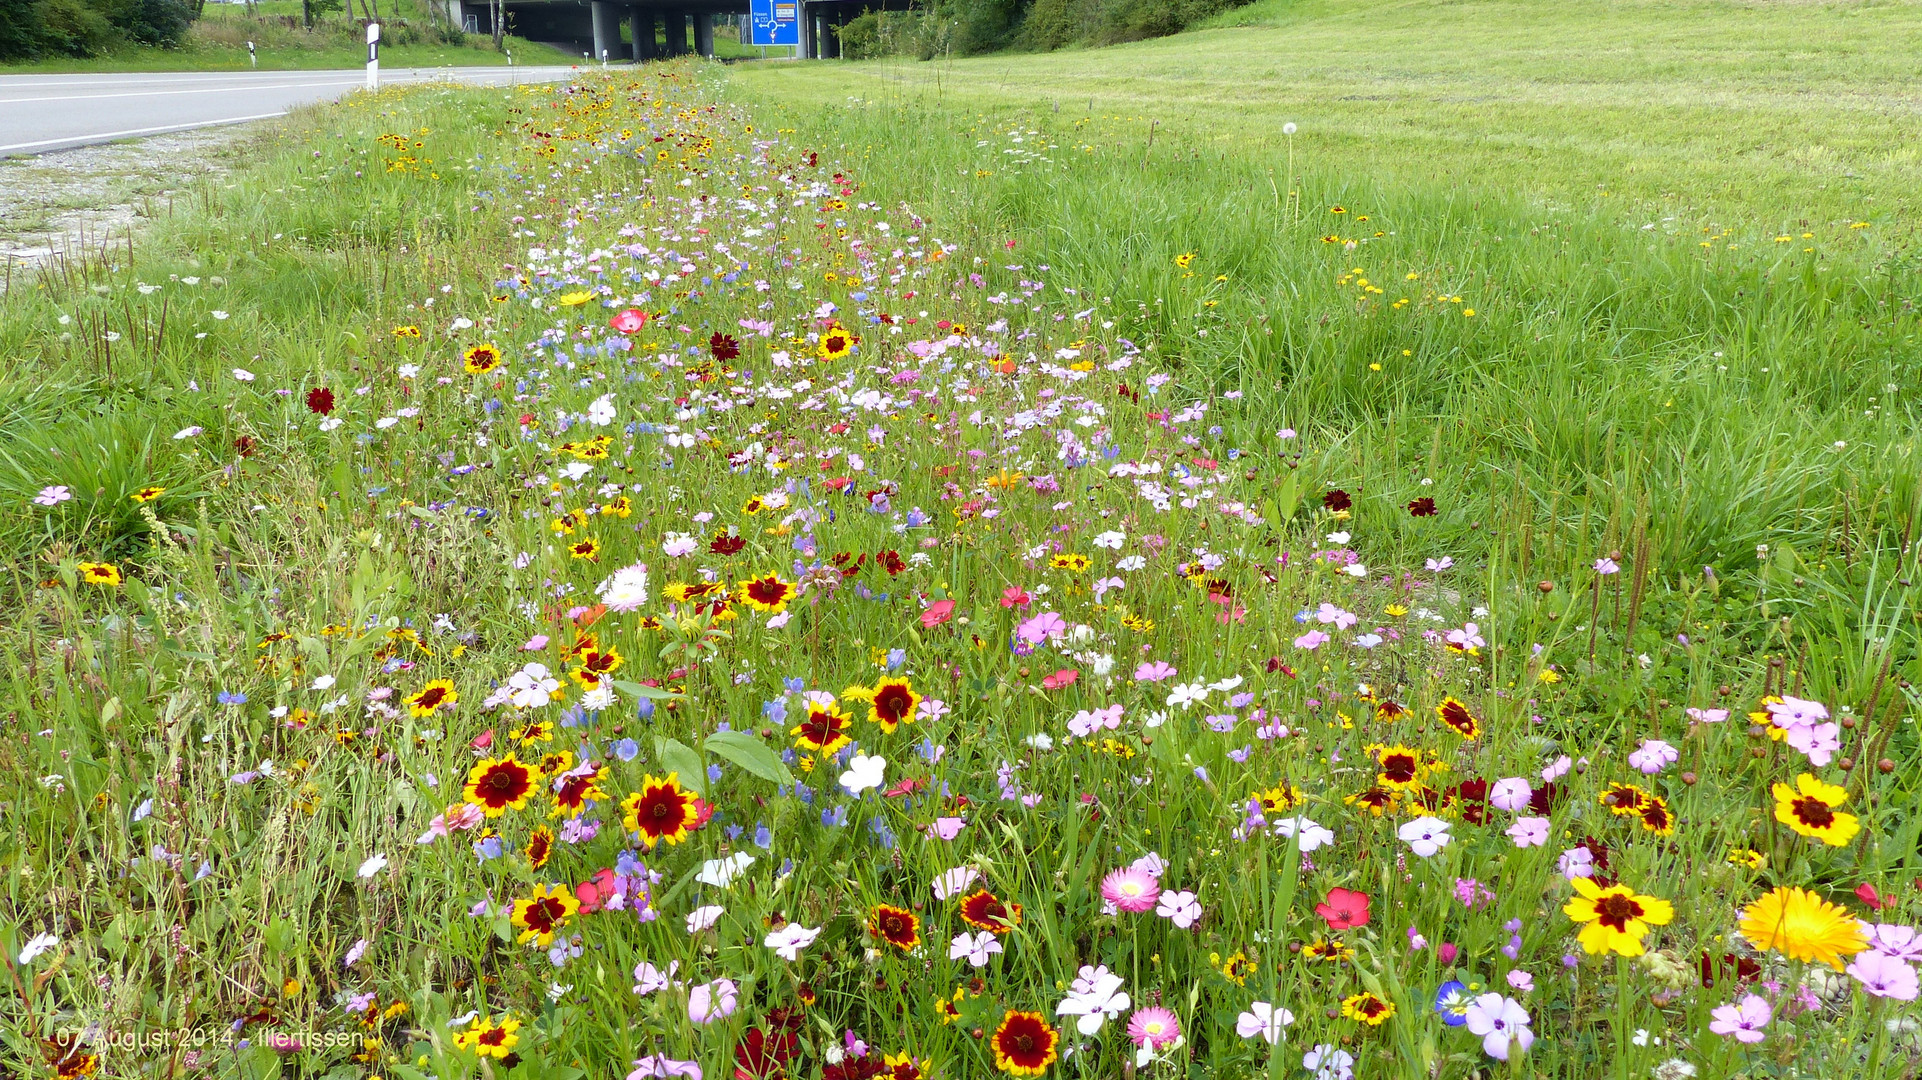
[
  {"x": 1086, "y": 723},
  {"x": 1180, "y": 908},
  {"x": 1155, "y": 672},
  {"x": 1529, "y": 832},
  {"x": 1607, "y": 566},
  {"x": 1707, "y": 716},
  {"x": 709, "y": 1002},
  {"x": 535, "y": 643},
  {"x": 1744, "y": 1020},
  {"x": 945, "y": 828},
  {"x": 1043, "y": 626},
  {"x": 1884, "y": 976},
  {"x": 1509, "y": 793},
  {"x": 1064, "y": 677},
  {"x": 1653, "y": 756},
  {"x": 1557, "y": 769},
  {"x": 937, "y": 613},
  {"x": 1522, "y": 980},
  {"x": 1818, "y": 741},
  {"x": 1153, "y": 1027},
  {"x": 1312, "y": 640},
  {"x": 1131, "y": 890},
  {"x": 629, "y": 321},
  {"x": 1015, "y": 596}
]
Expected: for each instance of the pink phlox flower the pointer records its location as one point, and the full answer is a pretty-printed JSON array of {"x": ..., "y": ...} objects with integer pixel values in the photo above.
[
  {"x": 1181, "y": 908},
  {"x": 1653, "y": 756},
  {"x": 1744, "y": 1020},
  {"x": 1041, "y": 627},
  {"x": 1884, "y": 976},
  {"x": 1312, "y": 640},
  {"x": 1154, "y": 672},
  {"x": 1509, "y": 793}
]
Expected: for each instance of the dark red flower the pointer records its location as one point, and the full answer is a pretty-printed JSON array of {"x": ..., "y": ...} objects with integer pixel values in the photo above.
[
  {"x": 1422, "y": 507},
  {"x": 726, "y": 544},
  {"x": 1337, "y": 500},
  {"x": 723, "y": 347},
  {"x": 762, "y": 1055},
  {"x": 320, "y": 400}
]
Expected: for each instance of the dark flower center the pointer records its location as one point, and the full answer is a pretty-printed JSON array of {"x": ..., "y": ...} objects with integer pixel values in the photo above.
[
  {"x": 1617, "y": 910},
  {"x": 1814, "y": 813}
]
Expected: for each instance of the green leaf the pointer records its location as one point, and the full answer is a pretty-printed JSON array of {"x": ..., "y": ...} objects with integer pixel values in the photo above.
[
  {"x": 751, "y": 754},
  {"x": 1287, "y": 497},
  {"x": 639, "y": 690},
  {"x": 682, "y": 759}
]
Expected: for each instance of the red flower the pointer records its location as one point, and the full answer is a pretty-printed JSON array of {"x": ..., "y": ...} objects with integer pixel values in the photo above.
[
  {"x": 1015, "y": 596},
  {"x": 1344, "y": 909},
  {"x": 595, "y": 890},
  {"x": 1876, "y": 901},
  {"x": 1337, "y": 500},
  {"x": 899, "y": 927},
  {"x": 1065, "y": 677},
  {"x": 320, "y": 400},
  {"x": 937, "y": 613},
  {"x": 1422, "y": 507},
  {"x": 723, "y": 347},
  {"x": 629, "y": 321}
]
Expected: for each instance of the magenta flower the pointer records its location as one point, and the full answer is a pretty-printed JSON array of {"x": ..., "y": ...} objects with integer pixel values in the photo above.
[
  {"x": 1509, "y": 793},
  {"x": 1312, "y": 640},
  {"x": 1530, "y": 832},
  {"x": 1131, "y": 890},
  {"x": 1743, "y": 1020},
  {"x": 1153, "y": 1027},
  {"x": 1040, "y": 628}
]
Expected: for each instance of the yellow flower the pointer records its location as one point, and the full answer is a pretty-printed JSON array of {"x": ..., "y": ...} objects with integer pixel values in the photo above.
[
  {"x": 1368, "y": 1009},
  {"x": 1802, "y": 926},
  {"x": 489, "y": 1039},
  {"x": 148, "y": 494},
  {"x": 1809, "y": 809},
  {"x": 432, "y": 697},
  {"x": 105, "y": 575},
  {"x": 1618, "y": 917},
  {"x": 576, "y": 298},
  {"x": 543, "y": 914}
]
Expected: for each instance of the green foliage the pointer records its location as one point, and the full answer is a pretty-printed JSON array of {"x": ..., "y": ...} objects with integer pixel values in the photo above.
[{"x": 75, "y": 27}]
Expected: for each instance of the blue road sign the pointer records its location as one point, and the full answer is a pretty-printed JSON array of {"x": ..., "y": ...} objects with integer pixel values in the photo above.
[{"x": 774, "y": 22}]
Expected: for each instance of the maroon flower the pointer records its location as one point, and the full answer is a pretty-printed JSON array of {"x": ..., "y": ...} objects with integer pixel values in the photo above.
[
  {"x": 1337, "y": 500},
  {"x": 1422, "y": 507},
  {"x": 723, "y": 347},
  {"x": 320, "y": 400}
]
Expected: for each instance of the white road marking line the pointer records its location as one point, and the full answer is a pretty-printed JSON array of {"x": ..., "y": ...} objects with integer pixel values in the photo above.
[{"x": 89, "y": 136}]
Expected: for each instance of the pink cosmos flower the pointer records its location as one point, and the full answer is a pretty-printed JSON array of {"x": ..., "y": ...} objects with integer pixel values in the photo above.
[
  {"x": 1131, "y": 890},
  {"x": 1743, "y": 1020},
  {"x": 1312, "y": 640},
  {"x": 1040, "y": 628},
  {"x": 1153, "y": 1027},
  {"x": 1154, "y": 672}
]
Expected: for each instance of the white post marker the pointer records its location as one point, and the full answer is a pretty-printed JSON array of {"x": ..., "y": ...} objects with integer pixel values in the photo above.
[
  {"x": 373, "y": 56},
  {"x": 252, "y": 58}
]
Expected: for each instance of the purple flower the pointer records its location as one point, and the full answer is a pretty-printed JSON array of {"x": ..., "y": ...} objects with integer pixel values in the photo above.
[
  {"x": 1884, "y": 976},
  {"x": 1502, "y": 1023},
  {"x": 1743, "y": 1020}
]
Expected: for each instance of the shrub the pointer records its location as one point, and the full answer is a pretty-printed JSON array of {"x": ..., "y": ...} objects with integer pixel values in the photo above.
[
  {"x": 156, "y": 22},
  {"x": 22, "y": 30},
  {"x": 75, "y": 28}
]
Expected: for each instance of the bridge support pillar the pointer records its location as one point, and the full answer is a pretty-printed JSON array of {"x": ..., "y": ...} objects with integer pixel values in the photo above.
[
  {"x": 704, "y": 34},
  {"x": 677, "y": 33},
  {"x": 640, "y": 27},
  {"x": 607, "y": 30}
]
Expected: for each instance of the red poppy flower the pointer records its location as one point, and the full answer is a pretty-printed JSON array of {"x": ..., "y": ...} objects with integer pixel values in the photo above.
[
  {"x": 1344, "y": 909},
  {"x": 1876, "y": 901}
]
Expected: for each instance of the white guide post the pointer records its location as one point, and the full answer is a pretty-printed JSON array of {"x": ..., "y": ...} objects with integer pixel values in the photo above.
[{"x": 373, "y": 56}]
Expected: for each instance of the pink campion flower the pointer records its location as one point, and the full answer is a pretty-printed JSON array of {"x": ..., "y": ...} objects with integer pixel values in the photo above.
[
  {"x": 1181, "y": 908},
  {"x": 1502, "y": 1023},
  {"x": 1509, "y": 793},
  {"x": 1818, "y": 742},
  {"x": 1530, "y": 832},
  {"x": 1153, "y": 1027},
  {"x": 1312, "y": 640},
  {"x": 1707, "y": 716},
  {"x": 1131, "y": 890},
  {"x": 1884, "y": 976},
  {"x": 1522, "y": 980},
  {"x": 1743, "y": 1020},
  {"x": 1794, "y": 712},
  {"x": 1040, "y": 628},
  {"x": 1653, "y": 756},
  {"x": 1330, "y": 615},
  {"x": 1064, "y": 677},
  {"x": 1893, "y": 939},
  {"x": 1155, "y": 672},
  {"x": 1468, "y": 637},
  {"x": 662, "y": 1067}
]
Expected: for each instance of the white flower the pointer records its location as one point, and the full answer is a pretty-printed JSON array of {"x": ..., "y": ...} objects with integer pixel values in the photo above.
[
  {"x": 1337, "y": 539},
  {"x": 1111, "y": 540},
  {"x": 243, "y": 375},
  {"x": 532, "y": 686},
  {"x": 374, "y": 865},
  {"x": 1312, "y": 835},
  {"x": 324, "y": 682},
  {"x": 1186, "y": 694},
  {"x": 1095, "y": 995},
  {"x": 1327, "y": 1062},
  {"x": 1355, "y": 570},
  {"x": 218, "y": 314},
  {"x": 1425, "y": 835},
  {"x": 330, "y": 423},
  {"x": 703, "y": 917},
  {"x": 407, "y": 371},
  {"x": 37, "y": 945},
  {"x": 1264, "y": 1021},
  {"x": 789, "y": 940},
  {"x": 951, "y": 882},
  {"x": 601, "y": 413},
  {"x": 599, "y": 699},
  {"x": 1132, "y": 563},
  {"x": 386, "y": 422},
  {"x": 626, "y": 589},
  {"x": 679, "y": 544},
  {"x": 722, "y": 872},
  {"x": 864, "y": 772},
  {"x": 1180, "y": 908},
  {"x": 189, "y": 432},
  {"x": 976, "y": 948}
]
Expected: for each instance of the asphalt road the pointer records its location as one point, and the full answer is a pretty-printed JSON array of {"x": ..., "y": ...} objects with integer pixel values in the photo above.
[{"x": 39, "y": 113}]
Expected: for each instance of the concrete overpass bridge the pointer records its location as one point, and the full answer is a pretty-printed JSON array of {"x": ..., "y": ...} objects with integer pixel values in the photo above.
[{"x": 656, "y": 29}]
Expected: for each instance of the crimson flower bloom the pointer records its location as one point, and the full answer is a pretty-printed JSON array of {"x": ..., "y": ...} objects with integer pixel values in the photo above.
[
  {"x": 937, "y": 613},
  {"x": 320, "y": 400},
  {"x": 1344, "y": 909}
]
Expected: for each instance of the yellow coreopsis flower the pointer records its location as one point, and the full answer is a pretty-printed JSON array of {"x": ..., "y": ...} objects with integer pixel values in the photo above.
[{"x": 1618, "y": 917}]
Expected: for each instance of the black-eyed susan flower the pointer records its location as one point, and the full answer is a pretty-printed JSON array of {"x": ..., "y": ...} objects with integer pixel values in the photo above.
[
  {"x": 409, "y": 331},
  {"x": 585, "y": 548},
  {"x": 836, "y": 342}
]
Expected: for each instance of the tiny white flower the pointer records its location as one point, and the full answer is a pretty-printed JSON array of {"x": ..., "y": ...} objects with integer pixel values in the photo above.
[{"x": 374, "y": 865}]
